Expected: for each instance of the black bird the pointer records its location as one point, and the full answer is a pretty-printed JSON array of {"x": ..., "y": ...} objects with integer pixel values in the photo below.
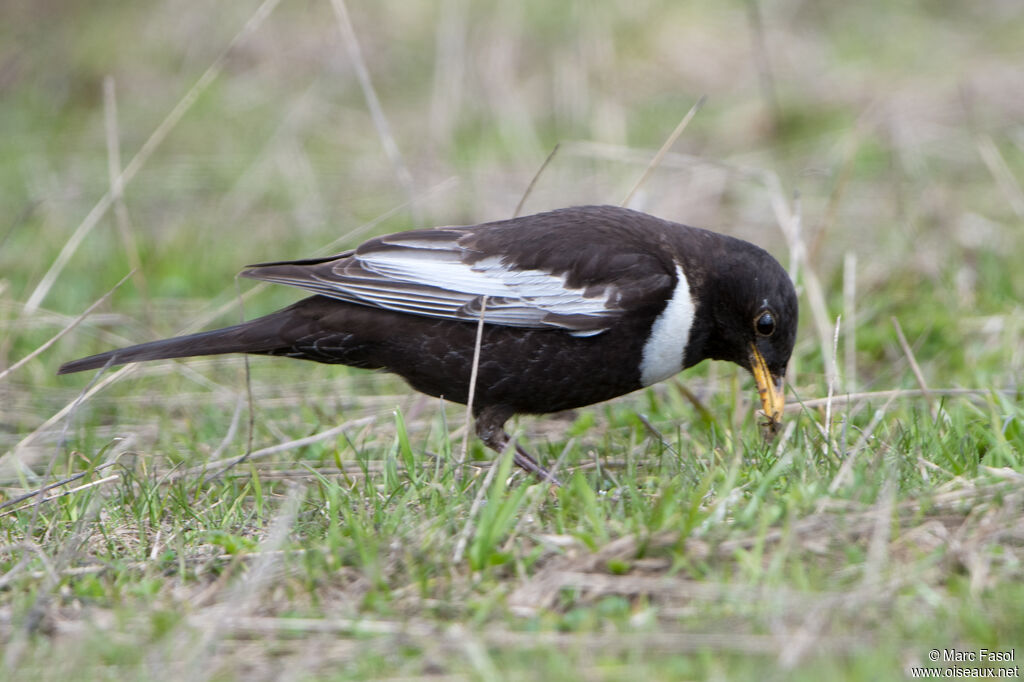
[{"x": 580, "y": 305}]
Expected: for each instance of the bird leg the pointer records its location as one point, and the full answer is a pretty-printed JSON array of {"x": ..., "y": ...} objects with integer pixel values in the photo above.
[{"x": 490, "y": 428}]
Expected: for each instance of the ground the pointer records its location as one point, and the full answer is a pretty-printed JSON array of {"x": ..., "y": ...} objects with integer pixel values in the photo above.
[{"x": 213, "y": 519}]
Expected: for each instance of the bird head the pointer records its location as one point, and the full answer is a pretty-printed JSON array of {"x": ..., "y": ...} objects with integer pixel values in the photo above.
[{"x": 750, "y": 311}]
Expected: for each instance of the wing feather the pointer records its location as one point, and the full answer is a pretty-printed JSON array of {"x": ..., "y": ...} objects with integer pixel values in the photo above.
[{"x": 446, "y": 272}]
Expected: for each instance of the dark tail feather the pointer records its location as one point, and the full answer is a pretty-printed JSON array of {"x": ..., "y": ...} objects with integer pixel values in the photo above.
[{"x": 256, "y": 336}]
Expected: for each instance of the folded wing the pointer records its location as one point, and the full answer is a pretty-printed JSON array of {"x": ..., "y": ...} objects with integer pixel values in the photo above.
[{"x": 532, "y": 278}]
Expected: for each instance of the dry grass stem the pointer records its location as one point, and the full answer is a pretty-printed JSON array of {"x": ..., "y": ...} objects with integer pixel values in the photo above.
[
  {"x": 247, "y": 378},
  {"x": 139, "y": 160},
  {"x": 606, "y": 151},
  {"x": 476, "y": 653},
  {"x": 68, "y": 327},
  {"x": 790, "y": 223},
  {"x": 472, "y": 387},
  {"x": 380, "y": 121},
  {"x": 13, "y": 455},
  {"x": 897, "y": 393},
  {"x": 240, "y": 599},
  {"x": 850, "y": 456},
  {"x": 474, "y": 509},
  {"x": 656, "y": 161},
  {"x": 916, "y": 369},
  {"x": 851, "y": 145},
  {"x": 534, "y": 179},
  {"x": 67, "y": 553},
  {"x": 538, "y": 493},
  {"x": 1004, "y": 177},
  {"x": 763, "y": 63},
  {"x": 355, "y": 543},
  {"x": 832, "y": 381},
  {"x": 49, "y": 498},
  {"x": 198, "y": 323},
  {"x": 423, "y": 631},
  {"x": 850, "y": 315},
  {"x": 124, "y": 224},
  {"x": 218, "y": 467},
  {"x": 51, "y": 486},
  {"x": 878, "y": 546}
]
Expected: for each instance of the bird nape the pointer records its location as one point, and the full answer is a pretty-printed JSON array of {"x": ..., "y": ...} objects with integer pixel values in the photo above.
[{"x": 579, "y": 305}]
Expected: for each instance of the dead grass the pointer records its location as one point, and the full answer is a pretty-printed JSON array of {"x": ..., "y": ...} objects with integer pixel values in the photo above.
[{"x": 143, "y": 534}]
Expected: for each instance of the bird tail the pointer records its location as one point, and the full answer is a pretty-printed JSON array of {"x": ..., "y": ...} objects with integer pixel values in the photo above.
[{"x": 256, "y": 336}]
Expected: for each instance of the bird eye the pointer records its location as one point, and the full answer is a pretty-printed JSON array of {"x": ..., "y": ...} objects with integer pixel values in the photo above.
[{"x": 765, "y": 324}]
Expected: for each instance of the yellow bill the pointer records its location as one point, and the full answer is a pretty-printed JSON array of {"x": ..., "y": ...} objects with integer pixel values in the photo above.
[{"x": 769, "y": 387}]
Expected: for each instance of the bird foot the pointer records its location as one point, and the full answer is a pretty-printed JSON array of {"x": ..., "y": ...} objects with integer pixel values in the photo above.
[
  {"x": 490, "y": 429},
  {"x": 525, "y": 461}
]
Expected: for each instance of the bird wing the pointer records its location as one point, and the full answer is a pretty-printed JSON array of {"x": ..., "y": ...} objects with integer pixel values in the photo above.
[{"x": 533, "y": 274}]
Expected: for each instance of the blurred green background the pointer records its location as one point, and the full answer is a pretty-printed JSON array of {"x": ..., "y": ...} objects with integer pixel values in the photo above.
[
  {"x": 891, "y": 131},
  {"x": 876, "y": 147},
  {"x": 874, "y": 112}
]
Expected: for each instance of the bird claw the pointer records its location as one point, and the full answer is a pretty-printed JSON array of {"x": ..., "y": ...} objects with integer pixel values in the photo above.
[{"x": 529, "y": 464}]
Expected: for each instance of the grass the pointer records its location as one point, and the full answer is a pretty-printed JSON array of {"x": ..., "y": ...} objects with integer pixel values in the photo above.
[{"x": 138, "y": 539}]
